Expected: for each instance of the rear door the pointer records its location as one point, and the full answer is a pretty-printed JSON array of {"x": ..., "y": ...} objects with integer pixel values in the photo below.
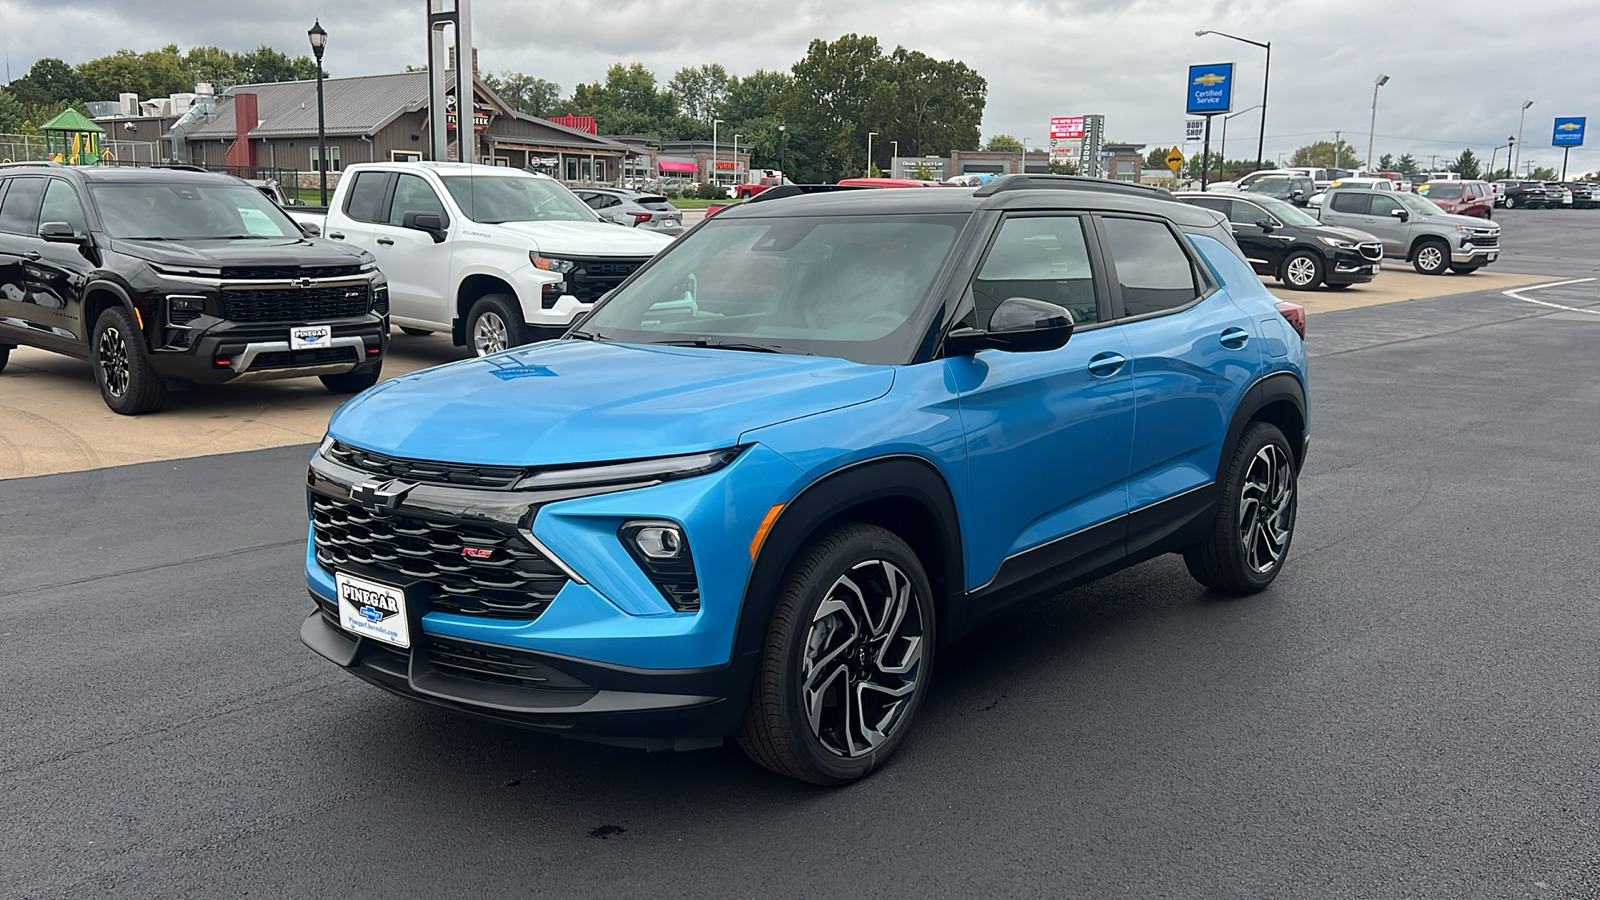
[
  {"x": 1259, "y": 235},
  {"x": 418, "y": 267}
]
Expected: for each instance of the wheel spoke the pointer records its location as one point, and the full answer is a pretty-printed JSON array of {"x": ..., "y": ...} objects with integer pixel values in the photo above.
[
  {"x": 875, "y": 728},
  {"x": 816, "y": 695}
]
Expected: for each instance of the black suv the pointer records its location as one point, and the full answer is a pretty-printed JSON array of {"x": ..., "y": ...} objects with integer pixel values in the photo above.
[
  {"x": 1284, "y": 242},
  {"x": 1525, "y": 194},
  {"x": 165, "y": 274}
]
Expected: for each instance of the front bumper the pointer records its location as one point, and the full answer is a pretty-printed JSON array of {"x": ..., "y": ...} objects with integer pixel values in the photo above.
[
  {"x": 1470, "y": 253},
  {"x": 258, "y": 352},
  {"x": 1350, "y": 267}
]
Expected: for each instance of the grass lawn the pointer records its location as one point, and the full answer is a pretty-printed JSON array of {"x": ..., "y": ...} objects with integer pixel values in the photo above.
[{"x": 690, "y": 203}]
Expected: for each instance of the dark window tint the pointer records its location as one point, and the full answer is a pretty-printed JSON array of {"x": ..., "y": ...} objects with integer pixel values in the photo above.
[
  {"x": 1042, "y": 258},
  {"x": 1383, "y": 206},
  {"x": 1218, "y": 204},
  {"x": 61, "y": 204},
  {"x": 1152, "y": 269},
  {"x": 366, "y": 197},
  {"x": 1244, "y": 213},
  {"x": 1348, "y": 202},
  {"x": 19, "y": 213},
  {"x": 412, "y": 194}
]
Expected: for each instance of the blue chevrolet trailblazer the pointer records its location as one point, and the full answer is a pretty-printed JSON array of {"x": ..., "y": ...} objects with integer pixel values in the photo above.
[{"x": 823, "y": 435}]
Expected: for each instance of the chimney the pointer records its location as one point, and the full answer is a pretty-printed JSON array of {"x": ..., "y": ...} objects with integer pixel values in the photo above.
[
  {"x": 245, "y": 120},
  {"x": 452, "y": 63}
]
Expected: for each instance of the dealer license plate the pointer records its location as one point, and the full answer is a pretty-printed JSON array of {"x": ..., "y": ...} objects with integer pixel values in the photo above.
[
  {"x": 373, "y": 610},
  {"x": 310, "y": 337}
]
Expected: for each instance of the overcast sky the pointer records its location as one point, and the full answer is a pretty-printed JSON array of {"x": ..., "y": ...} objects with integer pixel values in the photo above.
[{"x": 1459, "y": 71}]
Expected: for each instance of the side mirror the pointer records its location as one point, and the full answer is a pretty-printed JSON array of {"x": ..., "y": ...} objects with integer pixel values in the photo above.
[
  {"x": 1400, "y": 214},
  {"x": 310, "y": 229},
  {"x": 1018, "y": 325},
  {"x": 1297, "y": 193},
  {"x": 1265, "y": 224},
  {"x": 294, "y": 201},
  {"x": 428, "y": 222},
  {"x": 61, "y": 233}
]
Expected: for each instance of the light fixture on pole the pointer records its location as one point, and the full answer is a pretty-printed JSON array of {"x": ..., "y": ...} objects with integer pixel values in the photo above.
[
  {"x": 1382, "y": 80},
  {"x": 783, "y": 148},
  {"x": 1520, "y": 120},
  {"x": 714, "y": 124},
  {"x": 1266, "y": 74},
  {"x": 870, "y": 136},
  {"x": 319, "y": 41}
]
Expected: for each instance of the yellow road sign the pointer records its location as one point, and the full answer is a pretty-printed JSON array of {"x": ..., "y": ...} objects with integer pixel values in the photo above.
[{"x": 1175, "y": 160}]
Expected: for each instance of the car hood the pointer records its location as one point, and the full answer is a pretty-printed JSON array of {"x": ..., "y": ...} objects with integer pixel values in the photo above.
[
  {"x": 253, "y": 252},
  {"x": 1467, "y": 221},
  {"x": 1349, "y": 234},
  {"x": 588, "y": 238},
  {"x": 576, "y": 401}
]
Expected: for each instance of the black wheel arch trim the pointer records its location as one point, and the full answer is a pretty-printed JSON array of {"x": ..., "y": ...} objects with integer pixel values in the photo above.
[
  {"x": 899, "y": 476},
  {"x": 106, "y": 285},
  {"x": 1277, "y": 387}
]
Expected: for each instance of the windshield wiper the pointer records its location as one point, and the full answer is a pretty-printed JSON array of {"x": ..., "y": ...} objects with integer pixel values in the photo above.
[
  {"x": 724, "y": 345},
  {"x": 584, "y": 336}
]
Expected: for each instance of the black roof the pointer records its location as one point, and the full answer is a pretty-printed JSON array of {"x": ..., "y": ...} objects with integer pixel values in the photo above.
[{"x": 115, "y": 174}]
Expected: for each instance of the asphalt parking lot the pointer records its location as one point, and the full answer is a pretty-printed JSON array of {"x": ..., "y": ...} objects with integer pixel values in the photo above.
[{"x": 1410, "y": 711}]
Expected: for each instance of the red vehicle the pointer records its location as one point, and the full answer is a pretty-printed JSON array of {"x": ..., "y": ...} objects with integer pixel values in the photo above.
[
  {"x": 889, "y": 183},
  {"x": 1463, "y": 198},
  {"x": 1400, "y": 182},
  {"x": 746, "y": 191}
]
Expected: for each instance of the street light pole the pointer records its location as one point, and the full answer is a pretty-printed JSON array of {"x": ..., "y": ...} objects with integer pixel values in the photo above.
[
  {"x": 319, "y": 40},
  {"x": 894, "y": 157},
  {"x": 714, "y": 124},
  {"x": 783, "y": 149},
  {"x": 870, "y": 136},
  {"x": 1373, "y": 127},
  {"x": 1520, "y": 120},
  {"x": 736, "y": 157},
  {"x": 1223, "y": 152},
  {"x": 1266, "y": 76}
]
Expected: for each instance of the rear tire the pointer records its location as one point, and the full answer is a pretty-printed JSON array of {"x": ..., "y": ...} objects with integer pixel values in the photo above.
[
  {"x": 352, "y": 382},
  {"x": 128, "y": 384},
  {"x": 1432, "y": 257},
  {"x": 415, "y": 332},
  {"x": 1255, "y": 517},
  {"x": 847, "y": 659},
  {"x": 1302, "y": 271},
  {"x": 495, "y": 324},
  {"x": 1511, "y": 203}
]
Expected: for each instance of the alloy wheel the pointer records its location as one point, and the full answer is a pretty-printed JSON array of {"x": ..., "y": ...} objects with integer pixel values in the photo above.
[
  {"x": 489, "y": 335},
  {"x": 111, "y": 352},
  {"x": 1431, "y": 258},
  {"x": 1301, "y": 271},
  {"x": 1266, "y": 508},
  {"x": 861, "y": 664}
]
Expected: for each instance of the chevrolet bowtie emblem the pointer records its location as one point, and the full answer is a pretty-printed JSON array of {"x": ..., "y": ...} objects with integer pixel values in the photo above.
[
  {"x": 1210, "y": 78},
  {"x": 381, "y": 497}
]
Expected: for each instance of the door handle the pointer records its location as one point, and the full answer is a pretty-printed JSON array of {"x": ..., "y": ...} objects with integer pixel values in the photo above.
[
  {"x": 1105, "y": 364},
  {"x": 387, "y": 242},
  {"x": 336, "y": 235},
  {"x": 1235, "y": 338},
  {"x": 33, "y": 256}
]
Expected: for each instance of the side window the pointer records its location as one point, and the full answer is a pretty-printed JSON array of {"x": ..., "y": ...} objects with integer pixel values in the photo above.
[
  {"x": 1305, "y": 186},
  {"x": 412, "y": 193},
  {"x": 1384, "y": 206},
  {"x": 1042, "y": 258},
  {"x": 1216, "y": 204},
  {"x": 61, "y": 204},
  {"x": 1248, "y": 214},
  {"x": 20, "y": 212},
  {"x": 1153, "y": 271},
  {"x": 366, "y": 197},
  {"x": 1350, "y": 202}
]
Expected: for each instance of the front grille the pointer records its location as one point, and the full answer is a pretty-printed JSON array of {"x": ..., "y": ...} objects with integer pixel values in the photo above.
[
  {"x": 593, "y": 277},
  {"x": 1371, "y": 251},
  {"x": 496, "y": 665},
  {"x": 423, "y": 470},
  {"x": 296, "y": 304},
  {"x": 264, "y": 273},
  {"x": 291, "y": 359},
  {"x": 1483, "y": 239},
  {"x": 515, "y": 582}
]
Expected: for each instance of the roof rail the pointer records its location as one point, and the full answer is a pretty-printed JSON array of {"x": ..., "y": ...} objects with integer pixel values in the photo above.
[
  {"x": 794, "y": 190},
  {"x": 182, "y": 167},
  {"x": 1072, "y": 183},
  {"x": 34, "y": 164}
]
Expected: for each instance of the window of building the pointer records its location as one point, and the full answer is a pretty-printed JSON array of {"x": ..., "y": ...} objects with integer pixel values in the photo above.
[
  {"x": 333, "y": 159},
  {"x": 405, "y": 156},
  {"x": 1042, "y": 258},
  {"x": 1154, "y": 273}
]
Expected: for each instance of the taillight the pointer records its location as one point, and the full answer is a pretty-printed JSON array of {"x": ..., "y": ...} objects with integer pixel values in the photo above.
[
  {"x": 639, "y": 218},
  {"x": 1296, "y": 315}
]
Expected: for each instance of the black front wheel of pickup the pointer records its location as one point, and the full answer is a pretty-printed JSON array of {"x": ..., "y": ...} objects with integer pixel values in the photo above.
[
  {"x": 128, "y": 384},
  {"x": 353, "y": 382}
]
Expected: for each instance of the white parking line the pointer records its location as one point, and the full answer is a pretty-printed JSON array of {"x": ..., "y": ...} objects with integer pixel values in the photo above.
[{"x": 1516, "y": 294}]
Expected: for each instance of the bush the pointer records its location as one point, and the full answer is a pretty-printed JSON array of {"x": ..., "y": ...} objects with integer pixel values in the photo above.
[
  {"x": 712, "y": 192},
  {"x": 670, "y": 195}
]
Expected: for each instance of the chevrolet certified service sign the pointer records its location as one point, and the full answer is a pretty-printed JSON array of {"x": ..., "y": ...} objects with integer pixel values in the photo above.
[
  {"x": 1569, "y": 131},
  {"x": 1210, "y": 89}
]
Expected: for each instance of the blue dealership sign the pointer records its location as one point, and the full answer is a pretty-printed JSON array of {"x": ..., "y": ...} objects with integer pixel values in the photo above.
[
  {"x": 1569, "y": 131},
  {"x": 1210, "y": 89}
]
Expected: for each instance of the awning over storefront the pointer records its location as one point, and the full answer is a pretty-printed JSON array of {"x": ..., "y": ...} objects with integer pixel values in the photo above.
[{"x": 679, "y": 166}]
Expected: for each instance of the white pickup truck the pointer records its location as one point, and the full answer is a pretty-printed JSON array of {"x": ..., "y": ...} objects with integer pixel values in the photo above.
[{"x": 496, "y": 257}]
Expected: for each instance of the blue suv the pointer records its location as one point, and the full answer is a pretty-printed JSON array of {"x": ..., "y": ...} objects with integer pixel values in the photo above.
[{"x": 820, "y": 437}]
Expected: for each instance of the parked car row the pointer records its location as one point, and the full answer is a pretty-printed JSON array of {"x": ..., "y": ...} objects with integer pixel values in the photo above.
[{"x": 1524, "y": 194}]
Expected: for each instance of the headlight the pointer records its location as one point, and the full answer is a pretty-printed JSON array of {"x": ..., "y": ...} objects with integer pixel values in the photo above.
[
  {"x": 1337, "y": 242},
  {"x": 187, "y": 271},
  {"x": 551, "y": 264},
  {"x": 662, "y": 468}
]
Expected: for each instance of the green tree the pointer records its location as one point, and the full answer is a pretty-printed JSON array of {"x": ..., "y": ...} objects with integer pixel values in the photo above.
[
  {"x": 1326, "y": 153},
  {"x": 1157, "y": 158},
  {"x": 1543, "y": 173},
  {"x": 154, "y": 73},
  {"x": 1407, "y": 165},
  {"x": 12, "y": 113},
  {"x": 627, "y": 102},
  {"x": 1386, "y": 163},
  {"x": 700, "y": 90},
  {"x": 1063, "y": 167},
  {"x": 1467, "y": 165},
  {"x": 1003, "y": 143},
  {"x": 49, "y": 81},
  {"x": 930, "y": 106},
  {"x": 922, "y": 172},
  {"x": 212, "y": 65},
  {"x": 526, "y": 93},
  {"x": 827, "y": 105},
  {"x": 755, "y": 96},
  {"x": 265, "y": 65}
]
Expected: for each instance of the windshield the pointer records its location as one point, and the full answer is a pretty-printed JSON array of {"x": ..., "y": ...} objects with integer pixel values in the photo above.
[
  {"x": 1271, "y": 184},
  {"x": 179, "y": 212},
  {"x": 496, "y": 199},
  {"x": 1287, "y": 213},
  {"x": 849, "y": 286},
  {"x": 1418, "y": 204},
  {"x": 1434, "y": 191}
]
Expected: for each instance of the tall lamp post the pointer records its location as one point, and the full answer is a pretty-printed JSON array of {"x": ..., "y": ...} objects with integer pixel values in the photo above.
[
  {"x": 894, "y": 157},
  {"x": 714, "y": 124},
  {"x": 1223, "y": 151},
  {"x": 736, "y": 157},
  {"x": 1382, "y": 80},
  {"x": 1520, "y": 120},
  {"x": 319, "y": 41},
  {"x": 1266, "y": 74},
  {"x": 783, "y": 149},
  {"x": 870, "y": 136}
]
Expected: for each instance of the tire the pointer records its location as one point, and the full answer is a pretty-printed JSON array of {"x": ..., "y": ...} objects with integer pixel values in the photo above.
[
  {"x": 1244, "y": 558},
  {"x": 128, "y": 384},
  {"x": 1511, "y": 203},
  {"x": 1432, "y": 257},
  {"x": 816, "y": 618},
  {"x": 500, "y": 322},
  {"x": 1337, "y": 287},
  {"x": 415, "y": 332},
  {"x": 5, "y": 356},
  {"x": 1302, "y": 271},
  {"x": 1465, "y": 270},
  {"x": 352, "y": 382}
]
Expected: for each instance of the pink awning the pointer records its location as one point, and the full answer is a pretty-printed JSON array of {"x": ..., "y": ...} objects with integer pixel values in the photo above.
[{"x": 679, "y": 167}]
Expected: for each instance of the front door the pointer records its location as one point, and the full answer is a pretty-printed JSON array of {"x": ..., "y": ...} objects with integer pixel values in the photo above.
[
  {"x": 416, "y": 265},
  {"x": 1392, "y": 229},
  {"x": 1259, "y": 235},
  {"x": 1048, "y": 434},
  {"x": 24, "y": 273},
  {"x": 61, "y": 271}
]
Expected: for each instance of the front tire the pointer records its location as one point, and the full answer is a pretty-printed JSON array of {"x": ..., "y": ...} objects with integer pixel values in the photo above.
[
  {"x": 1255, "y": 517},
  {"x": 1302, "y": 271},
  {"x": 847, "y": 660},
  {"x": 1465, "y": 270},
  {"x": 128, "y": 384},
  {"x": 494, "y": 324},
  {"x": 1511, "y": 203},
  {"x": 1432, "y": 258},
  {"x": 352, "y": 382}
]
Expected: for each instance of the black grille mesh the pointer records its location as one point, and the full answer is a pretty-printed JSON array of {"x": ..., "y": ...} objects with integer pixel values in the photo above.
[
  {"x": 296, "y": 304},
  {"x": 262, "y": 273},
  {"x": 593, "y": 277},
  {"x": 289, "y": 359},
  {"x": 423, "y": 470}
]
